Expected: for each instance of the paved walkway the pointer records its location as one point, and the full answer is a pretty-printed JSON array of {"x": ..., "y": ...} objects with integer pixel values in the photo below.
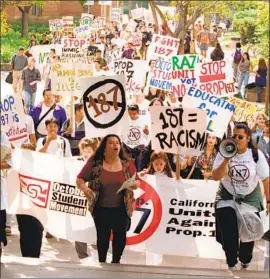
[{"x": 60, "y": 255}]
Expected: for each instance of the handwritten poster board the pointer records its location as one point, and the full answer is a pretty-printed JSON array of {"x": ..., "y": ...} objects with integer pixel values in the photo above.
[{"x": 178, "y": 130}]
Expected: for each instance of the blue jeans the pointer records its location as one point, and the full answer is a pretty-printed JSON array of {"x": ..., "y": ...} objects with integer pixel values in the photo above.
[
  {"x": 259, "y": 90},
  {"x": 243, "y": 78},
  {"x": 235, "y": 71},
  {"x": 29, "y": 99}
]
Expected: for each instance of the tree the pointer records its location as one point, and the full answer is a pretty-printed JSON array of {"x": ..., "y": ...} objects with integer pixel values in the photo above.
[
  {"x": 188, "y": 11},
  {"x": 24, "y": 7}
]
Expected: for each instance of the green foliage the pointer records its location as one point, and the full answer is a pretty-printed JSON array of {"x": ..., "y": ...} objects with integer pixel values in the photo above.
[
  {"x": 32, "y": 28},
  {"x": 4, "y": 25},
  {"x": 253, "y": 25},
  {"x": 244, "y": 21},
  {"x": 13, "y": 40}
]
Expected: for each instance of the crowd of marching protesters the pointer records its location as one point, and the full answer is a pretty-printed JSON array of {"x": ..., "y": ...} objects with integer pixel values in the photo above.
[{"x": 51, "y": 130}]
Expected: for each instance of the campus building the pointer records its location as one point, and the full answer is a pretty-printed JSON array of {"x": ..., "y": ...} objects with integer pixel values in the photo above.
[{"x": 57, "y": 9}]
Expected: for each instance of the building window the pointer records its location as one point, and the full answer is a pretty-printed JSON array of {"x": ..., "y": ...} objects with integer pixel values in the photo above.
[{"x": 36, "y": 10}]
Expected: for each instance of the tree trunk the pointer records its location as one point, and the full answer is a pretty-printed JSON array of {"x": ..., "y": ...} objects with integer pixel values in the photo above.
[
  {"x": 181, "y": 35},
  {"x": 25, "y": 18}
]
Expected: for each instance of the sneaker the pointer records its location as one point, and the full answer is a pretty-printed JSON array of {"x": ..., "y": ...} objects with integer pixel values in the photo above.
[
  {"x": 244, "y": 266},
  {"x": 232, "y": 268},
  {"x": 8, "y": 231}
]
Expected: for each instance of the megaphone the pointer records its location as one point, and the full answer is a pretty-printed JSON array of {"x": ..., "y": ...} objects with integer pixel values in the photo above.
[{"x": 228, "y": 148}]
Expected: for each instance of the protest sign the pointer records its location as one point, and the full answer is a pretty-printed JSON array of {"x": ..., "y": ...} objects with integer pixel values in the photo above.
[
  {"x": 134, "y": 72},
  {"x": 219, "y": 111},
  {"x": 41, "y": 53},
  {"x": 16, "y": 128},
  {"x": 134, "y": 37},
  {"x": 178, "y": 130},
  {"x": 68, "y": 25},
  {"x": 131, "y": 26},
  {"x": 178, "y": 216},
  {"x": 105, "y": 105},
  {"x": 98, "y": 23},
  {"x": 163, "y": 46},
  {"x": 65, "y": 77},
  {"x": 214, "y": 77},
  {"x": 125, "y": 19},
  {"x": 105, "y": 3},
  {"x": 185, "y": 71},
  {"x": 55, "y": 25},
  {"x": 67, "y": 20},
  {"x": 8, "y": 112},
  {"x": 83, "y": 31},
  {"x": 138, "y": 14},
  {"x": 89, "y": 3},
  {"x": 244, "y": 110},
  {"x": 73, "y": 47},
  {"x": 161, "y": 77},
  {"x": 115, "y": 14},
  {"x": 86, "y": 19}
]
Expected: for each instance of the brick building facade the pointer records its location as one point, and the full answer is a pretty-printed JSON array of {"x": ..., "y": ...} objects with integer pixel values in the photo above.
[{"x": 57, "y": 9}]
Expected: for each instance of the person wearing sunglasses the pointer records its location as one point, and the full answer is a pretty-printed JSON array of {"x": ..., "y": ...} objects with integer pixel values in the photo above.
[{"x": 239, "y": 176}]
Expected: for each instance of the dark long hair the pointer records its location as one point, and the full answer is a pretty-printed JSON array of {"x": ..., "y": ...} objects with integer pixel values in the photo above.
[
  {"x": 218, "y": 52},
  {"x": 160, "y": 155},
  {"x": 156, "y": 99},
  {"x": 99, "y": 154},
  {"x": 216, "y": 147},
  {"x": 243, "y": 60}
]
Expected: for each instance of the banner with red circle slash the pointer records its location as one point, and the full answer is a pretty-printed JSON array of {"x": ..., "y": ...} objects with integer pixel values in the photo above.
[{"x": 149, "y": 204}]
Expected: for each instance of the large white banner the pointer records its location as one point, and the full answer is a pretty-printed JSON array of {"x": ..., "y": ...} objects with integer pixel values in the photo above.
[
  {"x": 105, "y": 105},
  {"x": 219, "y": 111},
  {"x": 171, "y": 217},
  {"x": 41, "y": 52},
  {"x": 178, "y": 130}
]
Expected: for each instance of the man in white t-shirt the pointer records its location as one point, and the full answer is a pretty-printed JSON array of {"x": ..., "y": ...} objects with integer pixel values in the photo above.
[
  {"x": 46, "y": 110},
  {"x": 52, "y": 143},
  {"x": 143, "y": 106},
  {"x": 138, "y": 133}
]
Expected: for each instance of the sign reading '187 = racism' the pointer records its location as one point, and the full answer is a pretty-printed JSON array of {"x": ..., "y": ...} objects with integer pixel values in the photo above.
[
  {"x": 178, "y": 130},
  {"x": 104, "y": 105}
]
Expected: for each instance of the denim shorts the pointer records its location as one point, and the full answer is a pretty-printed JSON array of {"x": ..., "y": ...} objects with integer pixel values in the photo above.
[{"x": 203, "y": 46}]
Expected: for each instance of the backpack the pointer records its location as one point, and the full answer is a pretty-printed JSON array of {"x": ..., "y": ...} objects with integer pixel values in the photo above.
[
  {"x": 64, "y": 149},
  {"x": 255, "y": 154},
  {"x": 237, "y": 56}
]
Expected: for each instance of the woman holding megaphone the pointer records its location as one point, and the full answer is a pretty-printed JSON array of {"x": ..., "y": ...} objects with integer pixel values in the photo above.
[{"x": 239, "y": 173}]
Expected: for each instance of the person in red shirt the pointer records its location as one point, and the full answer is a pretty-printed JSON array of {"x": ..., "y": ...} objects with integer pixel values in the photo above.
[{"x": 105, "y": 173}]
